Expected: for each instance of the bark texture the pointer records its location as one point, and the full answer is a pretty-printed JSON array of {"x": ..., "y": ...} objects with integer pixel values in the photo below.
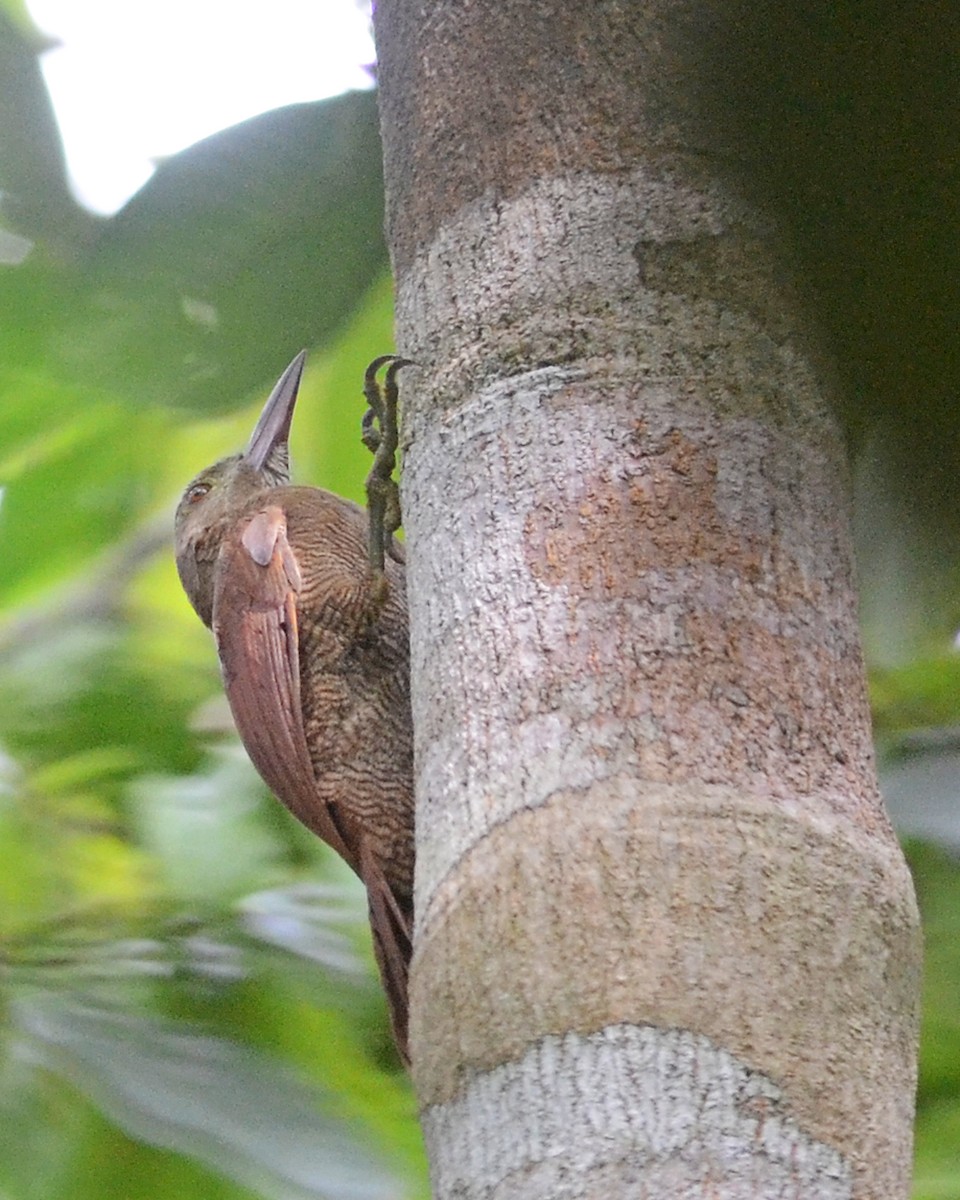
[{"x": 666, "y": 941}]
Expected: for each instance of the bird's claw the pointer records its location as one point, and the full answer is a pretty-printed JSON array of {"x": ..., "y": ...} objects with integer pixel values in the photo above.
[{"x": 379, "y": 433}]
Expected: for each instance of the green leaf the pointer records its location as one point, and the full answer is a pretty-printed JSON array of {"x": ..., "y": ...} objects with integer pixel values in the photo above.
[
  {"x": 36, "y": 199},
  {"x": 240, "y": 250}
]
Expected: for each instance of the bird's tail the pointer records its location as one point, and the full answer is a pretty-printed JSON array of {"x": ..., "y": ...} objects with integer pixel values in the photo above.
[{"x": 391, "y": 921}]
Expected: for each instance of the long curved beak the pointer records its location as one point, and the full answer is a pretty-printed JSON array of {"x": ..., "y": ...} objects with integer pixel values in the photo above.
[{"x": 267, "y": 449}]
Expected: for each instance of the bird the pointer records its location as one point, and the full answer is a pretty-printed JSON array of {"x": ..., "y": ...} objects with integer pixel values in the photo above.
[{"x": 305, "y": 594}]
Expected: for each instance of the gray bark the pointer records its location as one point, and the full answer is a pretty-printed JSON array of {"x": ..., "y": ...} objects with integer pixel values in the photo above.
[{"x": 666, "y": 941}]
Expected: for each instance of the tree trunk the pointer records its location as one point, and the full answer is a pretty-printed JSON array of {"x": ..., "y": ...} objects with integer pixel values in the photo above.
[{"x": 666, "y": 942}]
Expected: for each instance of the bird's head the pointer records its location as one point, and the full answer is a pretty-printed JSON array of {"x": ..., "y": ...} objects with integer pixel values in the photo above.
[{"x": 215, "y": 497}]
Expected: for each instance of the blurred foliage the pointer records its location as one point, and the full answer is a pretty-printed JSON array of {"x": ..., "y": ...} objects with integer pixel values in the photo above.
[
  {"x": 921, "y": 693},
  {"x": 937, "y": 878},
  {"x": 188, "y": 1001},
  {"x": 188, "y": 1006}
]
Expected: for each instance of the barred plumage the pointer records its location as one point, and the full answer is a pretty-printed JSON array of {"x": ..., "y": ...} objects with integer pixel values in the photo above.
[{"x": 313, "y": 644}]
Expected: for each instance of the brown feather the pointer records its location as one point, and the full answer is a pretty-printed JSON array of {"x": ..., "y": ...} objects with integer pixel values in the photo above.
[
  {"x": 256, "y": 628},
  {"x": 315, "y": 658}
]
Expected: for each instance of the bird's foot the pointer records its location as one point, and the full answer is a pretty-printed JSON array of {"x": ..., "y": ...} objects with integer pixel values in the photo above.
[{"x": 379, "y": 433}]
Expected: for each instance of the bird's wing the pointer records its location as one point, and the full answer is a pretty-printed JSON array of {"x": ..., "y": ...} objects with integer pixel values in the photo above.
[{"x": 255, "y": 626}]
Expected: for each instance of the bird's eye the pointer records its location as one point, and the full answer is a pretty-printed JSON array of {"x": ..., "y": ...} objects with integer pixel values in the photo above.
[{"x": 197, "y": 492}]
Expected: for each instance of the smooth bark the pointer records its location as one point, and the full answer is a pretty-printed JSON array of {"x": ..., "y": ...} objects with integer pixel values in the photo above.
[{"x": 666, "y": 942}]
